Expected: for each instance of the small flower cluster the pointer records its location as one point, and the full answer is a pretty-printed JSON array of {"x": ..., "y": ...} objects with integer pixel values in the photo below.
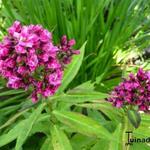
[
  {"x": 134, "y": 91},
  {"x": 28, "y": 58}
]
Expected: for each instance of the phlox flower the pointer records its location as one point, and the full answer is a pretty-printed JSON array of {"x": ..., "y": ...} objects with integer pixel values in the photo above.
[
  {"x": 133, "y": 91},
  {"x": 29, "y": 58}
]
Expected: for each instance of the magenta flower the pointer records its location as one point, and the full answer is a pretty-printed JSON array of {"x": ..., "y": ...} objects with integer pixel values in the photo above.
[
  {"x": 14, "y": 82},
  {"x": 134, "y": 91},
  {"x": 28, "y": 58},
  {"x": 66, "y": 50}
]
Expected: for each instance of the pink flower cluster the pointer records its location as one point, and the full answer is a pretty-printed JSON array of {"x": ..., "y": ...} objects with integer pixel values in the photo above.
[
  {"x": 28, "y": 58},
  {"x": 134, "y": 91}
]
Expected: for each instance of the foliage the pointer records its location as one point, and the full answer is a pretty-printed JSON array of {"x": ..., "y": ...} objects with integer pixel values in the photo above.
[{"x": 78, "y": 117}]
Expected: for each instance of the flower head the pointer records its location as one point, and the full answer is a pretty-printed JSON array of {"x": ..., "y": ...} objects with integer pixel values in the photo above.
[
  {"x": 28, "y": 58},
  {"x": 134, "y": 91}
]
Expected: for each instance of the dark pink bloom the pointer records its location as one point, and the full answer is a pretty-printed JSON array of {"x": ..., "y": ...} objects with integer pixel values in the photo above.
[
  {"x": 4, "y": 51},
  {"x": 77, "y": 52},
  {"x": 66, "y": 48},
  {"x": 45, "y": 36},
  {"x": 53, "y": 64},
  {"x": 47, "y": 92},
  {"x": 10, "y": 62},
  {"x": 14, "y": 82},
  {"x": 20, "y": 49},
  {"x": 119, "y": 103},
  {"x": 55, "y": 78},
  {"x": 32, "y": 61},
  {"x": 22, "y": 70},
  {"x": 28, "y": 58},
  {"x": 16, "y": 27},
  {"x": 34, "y": 97},
  {"x": 134, "y": 91},
  {"x": 71, "y": 42}
]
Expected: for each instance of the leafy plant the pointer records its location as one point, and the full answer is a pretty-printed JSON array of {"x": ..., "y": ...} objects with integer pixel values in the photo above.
[{"x": 78, "y": 117}]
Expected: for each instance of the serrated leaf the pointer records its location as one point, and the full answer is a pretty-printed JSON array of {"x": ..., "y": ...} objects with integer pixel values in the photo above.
[
  {"x": 59, "y": 139},
  {"x": 82, "y": 124}
]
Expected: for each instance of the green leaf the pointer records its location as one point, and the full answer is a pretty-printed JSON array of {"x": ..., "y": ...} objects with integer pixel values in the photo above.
[
  {"x": 27, "y": 127},
  {"x": 72, "y": 69},
  {"x": 82, "y": 124},
  {"x": 116, "y": 145},
  {"x": 42, "y": 125},
  {"x": 106, "y": 108},
  {"x": 134, "y": 118},
  {"x": 13, "y": 99},
  {"x": 80, "y": 97},
  {"x": 11, "y": 92},
  {"x": 143, "y": 130},
  {"x": 101, "y": 144},
  {"x": 47, "y": 145},
  {"x": 112, "y": 145},
  {"x": 9, "y": 109},
  {"x": 12, "y": 119},
  {"x": 59, "y": 139},
  {"x": 80, "y": 142},
  {"x": 139, "y": 146},
  {"x": 11, "y": 135}
]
